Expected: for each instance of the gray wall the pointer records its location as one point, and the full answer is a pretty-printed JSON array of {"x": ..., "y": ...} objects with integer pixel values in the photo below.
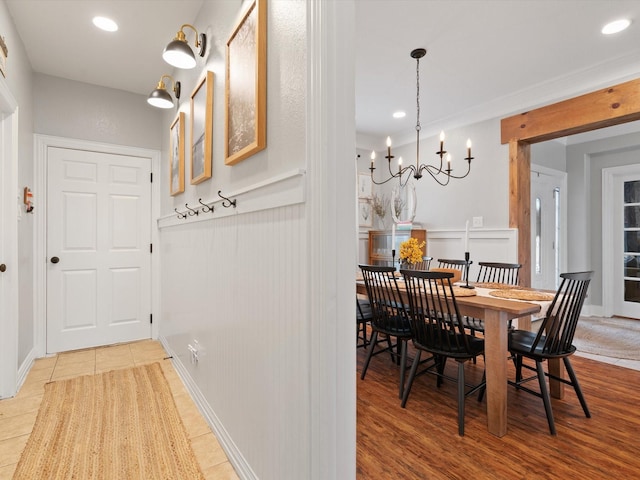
[
  {"x": 65, "y": 108},
  {"x": 19, "y": 80}
]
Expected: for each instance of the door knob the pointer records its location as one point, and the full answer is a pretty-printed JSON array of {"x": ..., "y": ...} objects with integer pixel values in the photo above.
[
  {"x": 3, "y": 268},
  {"x": 55, "y": 259}
]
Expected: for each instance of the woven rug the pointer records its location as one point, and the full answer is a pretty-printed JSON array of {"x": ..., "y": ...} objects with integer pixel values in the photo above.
[
  {"x": 609, "y": 337},
  {"x": 121, "y": 424}
]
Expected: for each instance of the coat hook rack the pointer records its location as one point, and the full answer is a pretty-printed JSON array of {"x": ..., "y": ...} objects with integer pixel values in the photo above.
[
  {"x": 191, "y": 211},
  {"x": 227, "y": 202},
  {"x": 180, "y": 214},
  {"x": 205, "y": 208}
]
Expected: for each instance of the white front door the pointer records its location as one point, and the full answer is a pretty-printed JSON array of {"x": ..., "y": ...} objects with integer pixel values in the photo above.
[
  {"x": 546, "y": 189},
  {"x": 98, "y": 249}
]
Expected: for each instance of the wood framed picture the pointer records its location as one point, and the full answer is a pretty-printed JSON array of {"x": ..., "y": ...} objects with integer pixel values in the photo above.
[
  {"x": 176, "y": 160},
  {"x": 202, "y": 129},
  {"x": 365, "y": 213},
  {"x": 246, "y": 86}
]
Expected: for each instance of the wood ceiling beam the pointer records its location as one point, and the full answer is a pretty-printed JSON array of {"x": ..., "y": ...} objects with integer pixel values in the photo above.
[{"x": 603, "y": 108}]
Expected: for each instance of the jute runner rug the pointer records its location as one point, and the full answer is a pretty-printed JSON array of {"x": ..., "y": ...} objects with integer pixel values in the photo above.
[
  {"x": 610, "y": 337},
  {"x": 119, "y": 425}
]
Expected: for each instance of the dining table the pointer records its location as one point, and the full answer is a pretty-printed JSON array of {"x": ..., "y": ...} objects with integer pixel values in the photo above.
[{"x": 496, "y": 314}]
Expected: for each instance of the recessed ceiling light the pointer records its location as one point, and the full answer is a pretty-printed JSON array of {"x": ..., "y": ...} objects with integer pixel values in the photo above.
[
  {"x": 616, "y": 26},
  {"x": 399, "y": 114},
  {"x": 106, "y": 24}
]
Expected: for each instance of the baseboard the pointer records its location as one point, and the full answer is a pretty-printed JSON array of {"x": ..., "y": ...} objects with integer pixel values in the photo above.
[
  {"x": 24, "y": 369},
  {"x": 242, "y": 468}
]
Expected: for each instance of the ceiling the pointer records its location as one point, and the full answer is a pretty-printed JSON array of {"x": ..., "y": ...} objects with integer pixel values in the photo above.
[{"x": 486, "y": 58}]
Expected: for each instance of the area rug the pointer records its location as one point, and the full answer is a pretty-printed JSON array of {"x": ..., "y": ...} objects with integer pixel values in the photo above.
[
  {"x": 609, "y": 337},
  {"x": 121, "y": 424}
]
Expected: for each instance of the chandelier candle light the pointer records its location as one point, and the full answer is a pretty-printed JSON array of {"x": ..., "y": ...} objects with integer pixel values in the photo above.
[{"x": 442, "y": 173}]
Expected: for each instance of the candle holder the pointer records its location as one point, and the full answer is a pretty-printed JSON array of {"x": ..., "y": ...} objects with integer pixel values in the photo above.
[
  {"x": 393, "y": 257},
  {"x": 466, "y": 271}
]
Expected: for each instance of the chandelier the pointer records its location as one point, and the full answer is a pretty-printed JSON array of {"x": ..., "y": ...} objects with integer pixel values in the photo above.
[{"x": 441, "y": 173}]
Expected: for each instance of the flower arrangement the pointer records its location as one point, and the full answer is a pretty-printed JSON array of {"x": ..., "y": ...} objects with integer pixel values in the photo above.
[{"x": 411, "y": 251}]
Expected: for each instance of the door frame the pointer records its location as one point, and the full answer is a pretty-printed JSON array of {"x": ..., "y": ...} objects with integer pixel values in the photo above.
[
  {"x": 41, "y": 146},
  {"x": 608, "y": 179},
  {"x": 9, "y": 315}
]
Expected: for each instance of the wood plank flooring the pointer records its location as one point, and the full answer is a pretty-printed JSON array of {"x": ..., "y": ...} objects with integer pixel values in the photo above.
[{"x": 422, "y": 442}]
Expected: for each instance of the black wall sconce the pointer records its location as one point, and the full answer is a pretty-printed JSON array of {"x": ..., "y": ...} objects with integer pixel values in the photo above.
[
  {"x": 178, "y": 53},
  {"x": 160, "y": 97}
]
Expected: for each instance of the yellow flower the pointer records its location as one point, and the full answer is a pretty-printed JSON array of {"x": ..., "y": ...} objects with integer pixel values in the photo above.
[{"x": 411, "y": 251}]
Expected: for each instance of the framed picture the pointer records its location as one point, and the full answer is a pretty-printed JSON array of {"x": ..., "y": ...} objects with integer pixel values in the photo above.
[
  {"x": 202, "y": 129},
  {"x": 365, "y": 213},
  {"x": 176, "y": 160},
  {"x": 246, "y": 86},
  {"x": 364, "y": 185}
]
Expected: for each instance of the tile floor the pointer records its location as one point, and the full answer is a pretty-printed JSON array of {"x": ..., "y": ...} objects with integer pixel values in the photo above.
[{"x": 18, "y": 414}]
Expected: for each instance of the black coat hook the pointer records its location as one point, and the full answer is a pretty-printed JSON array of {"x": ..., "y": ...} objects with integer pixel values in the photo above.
[
  {"x": 205, "y": 208},
  {"x": 227, "y": 202},
  {"x": 180, "y": 214},
  {"x": 191, "y": 211}
]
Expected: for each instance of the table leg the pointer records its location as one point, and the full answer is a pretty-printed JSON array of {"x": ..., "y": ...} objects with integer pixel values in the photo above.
[
  {"x": 495, "y": 357},
  {"x": 556, "y": 388}
]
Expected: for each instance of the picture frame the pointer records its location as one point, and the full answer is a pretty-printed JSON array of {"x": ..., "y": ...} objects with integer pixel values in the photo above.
[
  {"x": 365, "y": 213},
  {"x": 246, "y": 86},
  {"x": 176, "y": 153},
  {"x": 364, "y": 185},
  {"x": 202, "y": 129}
]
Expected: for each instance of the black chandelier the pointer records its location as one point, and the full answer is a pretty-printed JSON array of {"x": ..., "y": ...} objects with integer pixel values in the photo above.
[{"x": 442, "y": 173}]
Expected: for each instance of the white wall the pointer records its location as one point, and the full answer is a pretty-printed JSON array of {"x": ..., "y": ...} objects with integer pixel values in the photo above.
[{"x": 259, "y": 286}]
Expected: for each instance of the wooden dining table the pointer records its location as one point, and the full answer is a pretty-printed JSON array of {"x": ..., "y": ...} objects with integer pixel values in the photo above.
[{"x": 496, "y": 313}]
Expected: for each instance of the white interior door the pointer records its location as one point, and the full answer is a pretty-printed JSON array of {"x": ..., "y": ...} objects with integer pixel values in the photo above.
[
  {"x": 545, "y": 229},
  {"x": 8, "y": 242},
  {"x": 98, "y": 249}
]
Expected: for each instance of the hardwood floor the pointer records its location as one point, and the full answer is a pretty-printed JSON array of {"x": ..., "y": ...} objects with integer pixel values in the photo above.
[{"x": 422, "y": 442}]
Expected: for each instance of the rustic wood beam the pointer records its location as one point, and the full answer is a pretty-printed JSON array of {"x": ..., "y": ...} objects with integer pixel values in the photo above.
[
  {"x": 603, "y": 108},
  {"x": 520, "y": 204}
]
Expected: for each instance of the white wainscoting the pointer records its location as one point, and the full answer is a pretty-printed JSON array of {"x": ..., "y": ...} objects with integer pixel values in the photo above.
[{"x": 485, "y": 245}]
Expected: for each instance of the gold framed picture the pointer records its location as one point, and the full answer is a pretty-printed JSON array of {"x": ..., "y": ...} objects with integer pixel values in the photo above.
[
  {"x": 176, "y": 149},
  {"x": 202, "y": 129},
  {"x": 246, "y": 86}
]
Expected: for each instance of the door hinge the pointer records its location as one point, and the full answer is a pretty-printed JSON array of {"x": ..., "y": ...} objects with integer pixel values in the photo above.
[
  {"x": 151, "y": 318},
  {"x": 151, "y": 248},
  {"x": 151, "y": 177}
]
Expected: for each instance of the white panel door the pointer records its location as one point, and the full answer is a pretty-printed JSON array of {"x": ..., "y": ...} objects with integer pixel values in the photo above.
[{"x": 98, "y": 249}]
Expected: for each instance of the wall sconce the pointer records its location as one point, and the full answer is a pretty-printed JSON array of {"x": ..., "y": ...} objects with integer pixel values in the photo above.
[
  {"x": 178, "y": 52},
  {"x": 160, "y": 97}
]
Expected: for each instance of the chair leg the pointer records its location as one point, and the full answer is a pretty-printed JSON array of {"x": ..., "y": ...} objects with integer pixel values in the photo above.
[
  {"x": 517, "y": 361},
  {"x": 461, "y": 399},
  {"x": 576, "y": 386},
  {"x": 412, "y": 375},
  {"x": 484, "y": 386},
  {"x": 372, "y": 345},
  {"x": 403, "y": 365},
  {"x": 441, "y": 362},
  {"x": 545, "y": 397}
]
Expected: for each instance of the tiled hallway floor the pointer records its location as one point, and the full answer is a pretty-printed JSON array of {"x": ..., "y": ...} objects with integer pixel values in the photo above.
[{"x": 18, "y": 415}]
